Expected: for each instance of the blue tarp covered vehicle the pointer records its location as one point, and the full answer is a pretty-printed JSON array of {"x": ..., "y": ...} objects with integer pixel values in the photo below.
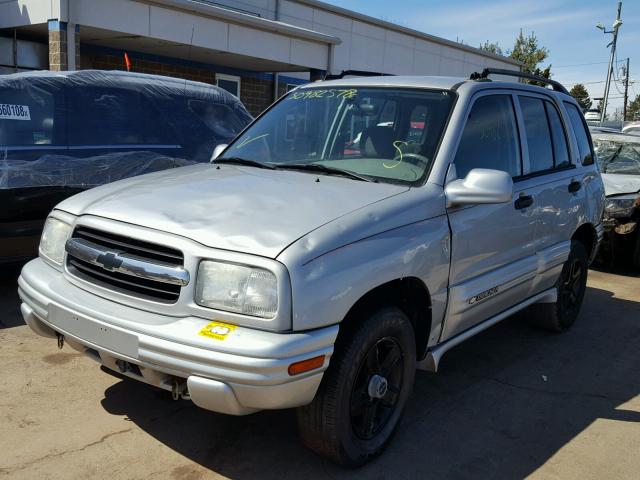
[{"x": 64, "y": 132}]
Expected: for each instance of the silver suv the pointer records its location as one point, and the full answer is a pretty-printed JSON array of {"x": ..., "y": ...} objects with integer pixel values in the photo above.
[{"x": 356, "y": 231}]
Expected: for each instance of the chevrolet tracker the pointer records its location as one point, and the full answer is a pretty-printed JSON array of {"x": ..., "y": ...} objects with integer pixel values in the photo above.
[{"x": 354, "y": 232}]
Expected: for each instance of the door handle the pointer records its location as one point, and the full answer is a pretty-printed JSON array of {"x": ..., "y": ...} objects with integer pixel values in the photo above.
[
  {"x": 575, "y": 186},
  {"x": 523, "y": 201}
]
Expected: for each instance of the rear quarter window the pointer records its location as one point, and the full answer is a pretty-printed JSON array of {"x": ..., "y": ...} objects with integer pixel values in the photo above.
[
  {"x": 579, "y": 127},
  {"x": 538, "y": 134}
]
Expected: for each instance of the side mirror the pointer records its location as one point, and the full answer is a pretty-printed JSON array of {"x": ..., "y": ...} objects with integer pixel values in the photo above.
[
  {"x": 217, "y": 151},
  {"x": 481, "y": 185}
]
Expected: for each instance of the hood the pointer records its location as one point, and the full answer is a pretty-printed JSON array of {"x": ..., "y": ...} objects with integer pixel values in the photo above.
[
  {"x": 231, "y": 207},
  {"x": 619, "y": 184}
]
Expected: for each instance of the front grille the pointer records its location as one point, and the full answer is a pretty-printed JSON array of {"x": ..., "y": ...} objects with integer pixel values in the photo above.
[{"x": 122, "y": 282}]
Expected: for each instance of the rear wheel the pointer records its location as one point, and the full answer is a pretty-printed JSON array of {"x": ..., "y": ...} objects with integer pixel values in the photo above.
[
  {"x": 363, "y": 393},
  {"x": 571, "y": 286},
  {"x": 636, "y": 250}
]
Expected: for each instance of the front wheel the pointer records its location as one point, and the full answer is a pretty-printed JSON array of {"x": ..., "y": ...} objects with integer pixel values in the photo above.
[
  {"x": 571, "y": 287},
  {"x": 363, "y": 393}
]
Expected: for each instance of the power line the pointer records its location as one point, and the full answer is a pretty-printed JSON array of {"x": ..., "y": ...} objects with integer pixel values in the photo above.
[{"x": 583, "y": 64}]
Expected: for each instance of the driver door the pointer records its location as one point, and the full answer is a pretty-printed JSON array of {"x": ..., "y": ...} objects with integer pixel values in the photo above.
[{"x": 493, "y": 261}]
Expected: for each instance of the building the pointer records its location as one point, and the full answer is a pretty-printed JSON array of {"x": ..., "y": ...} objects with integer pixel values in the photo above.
[{"x": 256, "y": 49}]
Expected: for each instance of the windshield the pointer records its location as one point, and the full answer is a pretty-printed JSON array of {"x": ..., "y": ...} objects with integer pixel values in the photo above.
[
  {"x": 617, "y": 156},
  {"x": 383, "y": 134}
]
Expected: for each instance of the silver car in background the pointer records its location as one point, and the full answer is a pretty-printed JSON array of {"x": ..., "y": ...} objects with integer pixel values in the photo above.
[
  {"x": 619, "y": 158},
  {"x": 354, "y": 232}
]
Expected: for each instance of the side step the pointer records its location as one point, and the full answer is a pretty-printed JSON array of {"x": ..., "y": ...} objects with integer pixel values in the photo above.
[{"x": 435, "y": 354}]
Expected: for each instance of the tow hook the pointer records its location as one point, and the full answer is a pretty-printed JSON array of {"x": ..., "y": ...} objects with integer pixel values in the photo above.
[
  {"x": 122, "y": 366},
  {"x": 60, "y": 340},
  {"x": 179, "y": 390}
]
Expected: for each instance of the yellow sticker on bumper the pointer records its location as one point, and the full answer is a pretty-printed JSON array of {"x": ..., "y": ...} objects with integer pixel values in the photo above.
[{"x": 217, "y": 330}]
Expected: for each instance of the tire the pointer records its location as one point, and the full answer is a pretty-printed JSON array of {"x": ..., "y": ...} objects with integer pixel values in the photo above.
[
  {"x": 571, "y": 285},
  {"x": 636, "y": 250},
  {"x": 344, "y": 423}
]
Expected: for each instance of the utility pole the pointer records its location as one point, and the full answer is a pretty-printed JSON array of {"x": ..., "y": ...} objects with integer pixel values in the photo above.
[
  {"x": 616, "y": 26},
  {"x": 626, "y": 92}
]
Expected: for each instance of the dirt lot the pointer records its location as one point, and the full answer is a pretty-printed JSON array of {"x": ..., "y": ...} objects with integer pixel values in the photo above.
[{"x": 509, "y": 403}]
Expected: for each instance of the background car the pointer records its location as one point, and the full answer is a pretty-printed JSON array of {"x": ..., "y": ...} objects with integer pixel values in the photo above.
[
  {"x": 619, "y": 158},
  {"x": 632, "y": 128},
  {"x": 592, "y": 114},
  {"x": 61, "y": 133}
]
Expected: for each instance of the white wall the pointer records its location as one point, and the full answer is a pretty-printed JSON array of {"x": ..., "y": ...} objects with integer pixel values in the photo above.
[
  {"x": 364, "y": 46},
  {"x": 375, "y": 48},
  {"x": 172, "y": 25},
  {"x": 18, "y": 13}
]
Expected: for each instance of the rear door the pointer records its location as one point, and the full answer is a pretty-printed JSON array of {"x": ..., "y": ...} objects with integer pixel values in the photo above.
[
  {"x": 492, "y": 246},
  {"x": 552, "y": 177}
]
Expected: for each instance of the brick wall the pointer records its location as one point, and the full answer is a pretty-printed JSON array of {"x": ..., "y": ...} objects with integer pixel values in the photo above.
[
  {"x": 58, "y": 42},
  {"x": 99, "y": 61},
  {"x": 256, "y": 94},
  {"x": 58, "y": 50}
]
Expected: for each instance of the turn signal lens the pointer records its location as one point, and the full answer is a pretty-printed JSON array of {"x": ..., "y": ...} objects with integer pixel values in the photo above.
[{"x": 306, "y": 365}]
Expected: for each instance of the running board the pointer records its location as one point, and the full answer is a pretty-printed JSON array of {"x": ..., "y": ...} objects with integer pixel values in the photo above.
[{"x": 435, "y": 354}]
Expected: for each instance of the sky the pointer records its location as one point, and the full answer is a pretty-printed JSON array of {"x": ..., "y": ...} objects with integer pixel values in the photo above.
[{"x": 578, "y": 51}]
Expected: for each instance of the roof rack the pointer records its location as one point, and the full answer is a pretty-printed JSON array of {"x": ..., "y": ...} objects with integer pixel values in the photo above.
[
  {"x": 356, "y": 73},
  {"x": 557, "y": 86}
]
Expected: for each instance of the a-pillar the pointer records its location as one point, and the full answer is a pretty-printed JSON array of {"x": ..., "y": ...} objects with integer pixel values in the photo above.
[{"x": 64, "y": 46}]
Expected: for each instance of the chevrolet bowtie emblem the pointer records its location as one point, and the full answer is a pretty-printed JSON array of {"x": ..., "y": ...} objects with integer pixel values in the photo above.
[{"x": 109, "y": 261}]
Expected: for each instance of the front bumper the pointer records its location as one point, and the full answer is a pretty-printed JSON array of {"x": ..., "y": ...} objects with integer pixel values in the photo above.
[{"x": 245, "y": 372}]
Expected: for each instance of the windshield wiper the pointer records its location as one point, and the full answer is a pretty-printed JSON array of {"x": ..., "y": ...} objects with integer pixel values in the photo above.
[
  {"x": 244, "y": 161},
  {"x": 318, "y": 167},
  {"x": 611, "y": 159}
]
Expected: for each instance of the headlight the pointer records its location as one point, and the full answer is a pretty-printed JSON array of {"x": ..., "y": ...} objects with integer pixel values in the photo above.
[
  {"x": 237, "y": 288},
  {"x": 621, "y": 207},
  {"x": 54, "y": 236}
]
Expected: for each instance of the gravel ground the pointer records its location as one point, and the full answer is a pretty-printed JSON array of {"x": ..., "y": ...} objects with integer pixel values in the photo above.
[{"x": 510, "y": 403}]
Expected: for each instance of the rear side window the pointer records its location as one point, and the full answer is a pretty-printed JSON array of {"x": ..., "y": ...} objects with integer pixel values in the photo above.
[
  {"x": 490, "y": 138},
  {"x": 580, "y": 131},
  {"x": 538, "y": 134},
  {"x": 28, "y": 115},
  {"x": 560, "y": 146}
]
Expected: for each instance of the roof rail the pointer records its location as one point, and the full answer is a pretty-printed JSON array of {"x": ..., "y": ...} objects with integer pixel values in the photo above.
[
  {"x": 557, "y": 86},
  {"x": 356, "y": 73}
]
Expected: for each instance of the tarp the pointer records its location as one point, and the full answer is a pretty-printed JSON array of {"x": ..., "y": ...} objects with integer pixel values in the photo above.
[{"x": 86, "y": 128}]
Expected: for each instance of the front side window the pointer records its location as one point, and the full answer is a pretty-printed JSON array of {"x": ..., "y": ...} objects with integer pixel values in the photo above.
[
  {"x": 580, "y": 130},
  {"x": 490, "y": 138},
  {"x": 382, "y": 134},
  {"x": 536, "y": 127},
  {"x": 219, "y": 118},
  {"x": 114, "y": 117}
]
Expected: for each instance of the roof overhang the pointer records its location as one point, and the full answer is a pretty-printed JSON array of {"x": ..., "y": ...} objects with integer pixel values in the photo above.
[
  {"x": 184, "y": 29},
  {"x": 253, "y": 21}
]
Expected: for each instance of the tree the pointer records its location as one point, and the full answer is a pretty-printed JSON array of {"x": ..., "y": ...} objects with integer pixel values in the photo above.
[
  {"x": 492, "y": 47},
  {"x": 581, "y": 95},
  {"x": 633, "y": 109},
  {"x": 527, "y": 50}
]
